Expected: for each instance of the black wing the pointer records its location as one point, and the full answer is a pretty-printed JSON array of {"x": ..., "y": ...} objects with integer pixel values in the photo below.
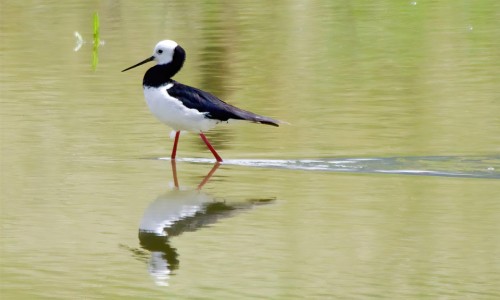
[{"x": 214, "y": 107}]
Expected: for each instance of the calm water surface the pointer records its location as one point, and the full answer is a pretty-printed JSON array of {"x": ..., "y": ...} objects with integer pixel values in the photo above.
[{"x": 322, "y": 208}]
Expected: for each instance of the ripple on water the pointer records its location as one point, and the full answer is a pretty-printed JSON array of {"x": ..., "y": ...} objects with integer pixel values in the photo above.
[{"x": 445, "y": 166}]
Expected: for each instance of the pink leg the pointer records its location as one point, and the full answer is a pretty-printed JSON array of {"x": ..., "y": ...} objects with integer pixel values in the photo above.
[
  {"x": 174, "y": 149},
  {"x": 216, "y": 155}
]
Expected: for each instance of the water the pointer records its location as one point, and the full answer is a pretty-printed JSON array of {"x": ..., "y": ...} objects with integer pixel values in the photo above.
[{"x": 321, "y": 208}]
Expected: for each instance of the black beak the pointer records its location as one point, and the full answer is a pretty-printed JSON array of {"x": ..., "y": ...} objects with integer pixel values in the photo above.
[{"x": 141, "y": 63}]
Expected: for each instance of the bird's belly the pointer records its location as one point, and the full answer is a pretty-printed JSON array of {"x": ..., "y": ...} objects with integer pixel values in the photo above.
[{"x": 173, "y": 113}]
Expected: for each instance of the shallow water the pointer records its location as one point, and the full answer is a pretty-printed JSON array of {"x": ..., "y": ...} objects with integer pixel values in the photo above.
[{"x": 321, "y": 208}]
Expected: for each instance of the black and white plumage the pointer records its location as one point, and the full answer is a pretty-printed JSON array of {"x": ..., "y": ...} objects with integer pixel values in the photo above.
[{"x": 183, "y": 107}]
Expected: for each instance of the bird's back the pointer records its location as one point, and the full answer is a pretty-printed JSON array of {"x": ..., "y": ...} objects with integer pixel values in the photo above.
[{"x": 213, "y": 107}]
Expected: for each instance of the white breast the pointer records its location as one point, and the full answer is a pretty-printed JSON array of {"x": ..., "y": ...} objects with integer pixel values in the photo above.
[{"x": 170, "y": 111}]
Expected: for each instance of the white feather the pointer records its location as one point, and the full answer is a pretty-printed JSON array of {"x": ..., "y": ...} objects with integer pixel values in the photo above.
[{"x": 173, "y": 113}]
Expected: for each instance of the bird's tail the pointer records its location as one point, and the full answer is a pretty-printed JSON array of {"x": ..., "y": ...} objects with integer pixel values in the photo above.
[
  {"x": 246, "y": 115},
  {"x": 267, "y": 121}
]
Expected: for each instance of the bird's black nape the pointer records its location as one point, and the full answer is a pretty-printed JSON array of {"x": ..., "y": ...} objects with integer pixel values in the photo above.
[{"x": 177, "y": 60}]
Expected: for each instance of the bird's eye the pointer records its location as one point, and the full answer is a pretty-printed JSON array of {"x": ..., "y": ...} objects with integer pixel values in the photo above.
[{"x": 160, "y": 51}]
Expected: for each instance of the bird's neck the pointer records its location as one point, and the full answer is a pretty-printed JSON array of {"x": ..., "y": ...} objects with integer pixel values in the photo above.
[{"x": 161, "y": 74}]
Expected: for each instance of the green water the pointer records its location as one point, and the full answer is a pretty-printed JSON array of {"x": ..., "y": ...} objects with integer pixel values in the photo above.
[{"x": 393, "y": 86}]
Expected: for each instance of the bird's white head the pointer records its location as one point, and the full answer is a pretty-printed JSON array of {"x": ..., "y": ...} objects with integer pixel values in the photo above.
[{"x": 164, "y": 51}]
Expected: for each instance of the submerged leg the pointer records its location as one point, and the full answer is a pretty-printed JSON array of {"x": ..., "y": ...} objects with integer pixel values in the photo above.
[
  {"x": 216, "y": 155},
  {"x": 176, "y": 140},
  {"x": 174, "y": 173},
  {"x": 209, "y": 175}
]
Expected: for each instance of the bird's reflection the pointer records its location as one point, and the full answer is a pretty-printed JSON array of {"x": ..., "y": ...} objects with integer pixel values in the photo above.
[{"x": 178, "y": 211}]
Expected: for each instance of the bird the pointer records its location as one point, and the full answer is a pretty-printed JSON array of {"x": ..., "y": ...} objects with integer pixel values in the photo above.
[{"x": 183, "y": 107}]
